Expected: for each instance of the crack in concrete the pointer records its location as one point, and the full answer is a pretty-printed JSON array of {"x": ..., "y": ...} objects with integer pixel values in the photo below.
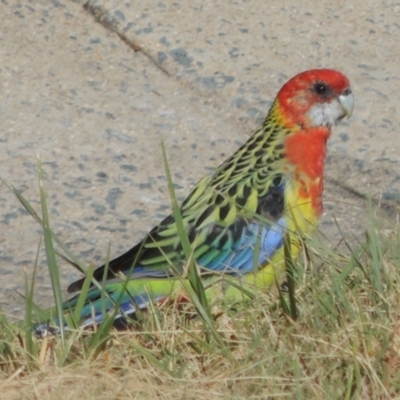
[{"x": 109, "y": 22}]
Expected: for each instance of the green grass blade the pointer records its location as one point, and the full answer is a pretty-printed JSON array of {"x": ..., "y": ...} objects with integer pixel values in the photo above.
[
  {"x": 28, "y": 322},
  {"x": 29, "y": 305},
  {"x": 290, "y": 276},
  {"x": 25, "y": 203},
  {"x": 82, "y": 295},
  {"x": 193, "y": 275},
  {"x": 50, "y": 254},
  {"x": 374, "y": 248},
  {"x": 152, "y": 359},
  {"x": 196, "y": 290}
]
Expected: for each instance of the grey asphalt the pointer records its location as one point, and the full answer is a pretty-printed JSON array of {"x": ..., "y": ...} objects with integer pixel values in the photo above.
[{"x": 93, "y": 88}]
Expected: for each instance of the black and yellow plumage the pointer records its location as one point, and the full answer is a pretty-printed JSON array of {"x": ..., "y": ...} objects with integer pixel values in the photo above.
[{"x": 271, "y": 185}]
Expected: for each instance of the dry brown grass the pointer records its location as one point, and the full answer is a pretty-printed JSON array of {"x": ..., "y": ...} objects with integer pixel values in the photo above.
[{"x": 344, "y": 345}]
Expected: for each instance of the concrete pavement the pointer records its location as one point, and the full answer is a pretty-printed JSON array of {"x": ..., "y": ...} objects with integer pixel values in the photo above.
[{"x": 93, "y": 89}]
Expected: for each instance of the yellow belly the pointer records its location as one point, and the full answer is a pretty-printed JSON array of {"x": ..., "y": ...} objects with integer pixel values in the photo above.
[
  {"x": 301, "y": 219},
  {"x": 302, "y": 215}
]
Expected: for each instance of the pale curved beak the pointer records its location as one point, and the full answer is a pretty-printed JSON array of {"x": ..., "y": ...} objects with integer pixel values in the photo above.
[{"x": 346, "y": 100}]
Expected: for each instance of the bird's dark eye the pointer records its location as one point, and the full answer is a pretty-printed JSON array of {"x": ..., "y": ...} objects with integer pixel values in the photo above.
[{"x": 321, "y": 89}]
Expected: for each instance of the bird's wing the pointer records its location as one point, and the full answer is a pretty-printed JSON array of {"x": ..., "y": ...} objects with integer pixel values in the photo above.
[{"x": 223, "y": 218}]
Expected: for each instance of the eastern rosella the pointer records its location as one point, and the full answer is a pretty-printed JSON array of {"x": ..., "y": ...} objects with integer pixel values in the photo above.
[{"x": 272, "y": 185}]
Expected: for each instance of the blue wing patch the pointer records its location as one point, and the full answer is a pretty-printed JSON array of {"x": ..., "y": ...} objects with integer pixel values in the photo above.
[{"x": 240, "y": 258}]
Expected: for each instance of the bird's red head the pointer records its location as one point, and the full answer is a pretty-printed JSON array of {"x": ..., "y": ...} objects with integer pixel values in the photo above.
[{"x": 318, "y": 97}]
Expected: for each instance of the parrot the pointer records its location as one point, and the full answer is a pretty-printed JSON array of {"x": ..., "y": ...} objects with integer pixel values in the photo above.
[{"x": 237, "y": 219}]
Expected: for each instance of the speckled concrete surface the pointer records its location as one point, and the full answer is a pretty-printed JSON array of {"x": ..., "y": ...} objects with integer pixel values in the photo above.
[{"x": 74, "y": 92}]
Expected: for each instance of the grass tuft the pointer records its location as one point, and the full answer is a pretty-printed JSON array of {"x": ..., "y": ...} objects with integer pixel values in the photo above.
[{"x": 334, "y": 334}]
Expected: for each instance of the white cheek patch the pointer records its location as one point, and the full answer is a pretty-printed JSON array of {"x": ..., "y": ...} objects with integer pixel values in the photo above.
[{"x": 326, "y": 114}]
